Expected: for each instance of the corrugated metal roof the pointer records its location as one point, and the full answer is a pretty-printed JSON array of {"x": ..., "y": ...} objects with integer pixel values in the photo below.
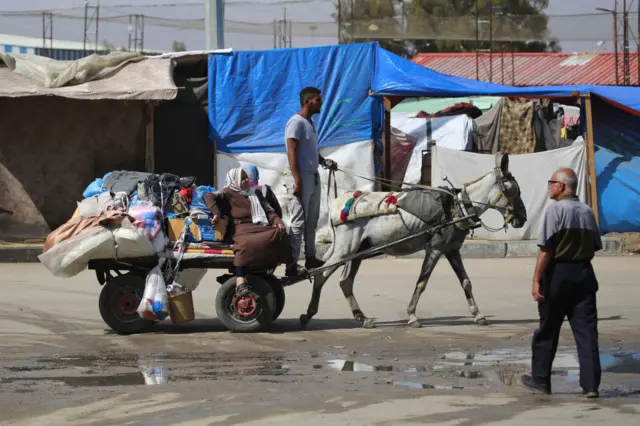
[{"x": 533, "y": 69}]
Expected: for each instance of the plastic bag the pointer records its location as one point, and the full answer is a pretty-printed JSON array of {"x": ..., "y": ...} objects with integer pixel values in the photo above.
[
  {"x": 197, "y": 202},
  {"x": 95, "y": 187},
  {"x": 70, "y": 257},
  {"x": 146, "y": 217},
  {"x": 155, "y": 300}
]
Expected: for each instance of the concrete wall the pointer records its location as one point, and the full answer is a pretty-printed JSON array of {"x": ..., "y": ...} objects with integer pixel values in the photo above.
[{"x": 51, "y": 148}]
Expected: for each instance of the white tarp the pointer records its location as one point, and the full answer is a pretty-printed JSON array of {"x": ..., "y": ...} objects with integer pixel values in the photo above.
[
  {"x": 532, "y": 171},
  {"x": 455, "y": 132},
  {"x": 356, "y": 157},
  {"x": 53, "y": 73}
]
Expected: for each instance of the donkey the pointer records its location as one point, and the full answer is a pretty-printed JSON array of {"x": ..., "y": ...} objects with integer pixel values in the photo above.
[{"x": 416, "y": 211}]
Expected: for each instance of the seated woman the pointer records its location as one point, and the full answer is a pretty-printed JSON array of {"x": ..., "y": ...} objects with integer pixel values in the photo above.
[
  {"x": 260, "y": 240},
  {"x": 267, "y": 192}
]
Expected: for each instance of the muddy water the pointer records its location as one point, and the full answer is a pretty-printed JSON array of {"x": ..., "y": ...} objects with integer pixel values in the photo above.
[{"x": 492, "y": 370}]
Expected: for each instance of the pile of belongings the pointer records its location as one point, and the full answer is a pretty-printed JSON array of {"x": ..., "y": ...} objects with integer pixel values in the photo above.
[{"x": 121, "y": 216}]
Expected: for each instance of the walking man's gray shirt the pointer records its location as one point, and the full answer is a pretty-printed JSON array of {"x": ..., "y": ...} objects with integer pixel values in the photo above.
[{"x": 304, "y": 132}]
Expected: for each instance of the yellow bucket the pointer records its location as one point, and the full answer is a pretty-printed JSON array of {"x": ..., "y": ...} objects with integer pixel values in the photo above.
[{"x": 181, "y": 307}]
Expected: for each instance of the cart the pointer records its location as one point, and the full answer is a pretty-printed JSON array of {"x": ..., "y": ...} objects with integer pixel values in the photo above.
[{"x": 123, "y": 282}]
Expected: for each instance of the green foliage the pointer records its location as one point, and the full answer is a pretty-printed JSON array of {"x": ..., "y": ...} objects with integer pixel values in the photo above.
[
  {"x": 415, "y": 26},
  {"x": 178, "y": 46}
]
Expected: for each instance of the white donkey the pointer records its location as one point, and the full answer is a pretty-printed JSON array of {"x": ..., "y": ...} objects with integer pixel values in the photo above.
[{"x": 362, "y": 221}]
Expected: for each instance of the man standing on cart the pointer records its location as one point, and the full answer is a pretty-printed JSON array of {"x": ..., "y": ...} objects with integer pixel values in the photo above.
[{"x": 301, "y": 138}]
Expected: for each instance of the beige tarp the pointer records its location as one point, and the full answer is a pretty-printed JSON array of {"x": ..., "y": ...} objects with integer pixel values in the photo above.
[{"x": 119, "y": 76}]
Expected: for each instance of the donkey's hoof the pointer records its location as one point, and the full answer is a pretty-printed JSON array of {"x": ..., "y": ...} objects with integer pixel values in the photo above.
[
  {"x": 368, "y": 323},
  {"x": 304, "y": 320},
  {"x": 481, "y": 321},
  {"x": 415, "y": 324}
]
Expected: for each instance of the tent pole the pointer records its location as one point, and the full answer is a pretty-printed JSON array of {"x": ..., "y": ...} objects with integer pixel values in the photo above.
[
  {"x": 150, "y": 139},
  {"x": 387, "y": 140},
  {"x": 591, "y": 163},
  {"x": 215, "y": 164}
]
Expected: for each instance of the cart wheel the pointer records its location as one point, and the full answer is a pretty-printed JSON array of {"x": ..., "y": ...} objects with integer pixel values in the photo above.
[
  {"x": 246, "y": 314},
  {"x": 119, "y": 300},
  {"x": 278, "y": 290}
]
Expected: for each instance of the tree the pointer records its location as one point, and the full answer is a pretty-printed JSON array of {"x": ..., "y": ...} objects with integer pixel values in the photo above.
[
  {"x": 414, "y": 26},
  {"x": 178, "y": 46}
]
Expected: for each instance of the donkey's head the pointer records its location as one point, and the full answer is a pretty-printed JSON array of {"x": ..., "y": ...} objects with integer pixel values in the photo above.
[{"x": 504, "y": 194}]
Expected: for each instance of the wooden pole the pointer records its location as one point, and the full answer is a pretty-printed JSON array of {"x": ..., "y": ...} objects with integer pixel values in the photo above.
[
  {"x": 591, "y": 162},
  {"x": 215, "y": 164},
  {"x": 150, "y": 138},
  {"x": 387, "y": 141}
]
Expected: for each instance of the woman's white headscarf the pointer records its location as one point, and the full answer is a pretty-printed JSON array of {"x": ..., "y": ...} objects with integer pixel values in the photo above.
[{"x": 233, "y": 181}]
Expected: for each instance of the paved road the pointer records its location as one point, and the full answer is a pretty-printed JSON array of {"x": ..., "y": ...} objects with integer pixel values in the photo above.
[{"x": 58, "y": 364}]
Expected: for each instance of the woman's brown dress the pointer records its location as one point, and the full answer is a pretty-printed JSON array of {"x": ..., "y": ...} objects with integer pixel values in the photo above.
[{"x": 255, "y": 246}]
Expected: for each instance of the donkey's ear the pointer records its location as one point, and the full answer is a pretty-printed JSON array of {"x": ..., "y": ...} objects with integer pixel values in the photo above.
[{"x": 504, "y": 163}]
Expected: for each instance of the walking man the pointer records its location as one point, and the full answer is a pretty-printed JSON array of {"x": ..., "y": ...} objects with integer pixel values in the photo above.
[
  {"x": 564, "y": 284},
  {"x": 301, "y": 140}
]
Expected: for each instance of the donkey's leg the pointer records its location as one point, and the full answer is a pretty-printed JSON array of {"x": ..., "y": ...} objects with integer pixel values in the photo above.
[
  {"x": 455, "y": 260},
  {"x": 318, "y": 283},
  {"x": 346, "y": 284},
  {"x": 428, "y": 265}
]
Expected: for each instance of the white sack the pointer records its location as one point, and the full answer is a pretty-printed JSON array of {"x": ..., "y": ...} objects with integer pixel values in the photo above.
[
  {"x": 94, "y": 206},
  {"x": 190, "y": 278},
  {"x": 70, "y": 257},
  {"x": 357, "y": 157},
  {"x": 132, "y": 242},
  {"x": 532, "y": 171}
]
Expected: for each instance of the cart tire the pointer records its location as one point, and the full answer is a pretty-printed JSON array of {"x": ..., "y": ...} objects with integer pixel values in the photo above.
[
  {"x": 118, "y": 304},
  {"x": 248, "y": 314},
  {"x": 278, "y": 290}
]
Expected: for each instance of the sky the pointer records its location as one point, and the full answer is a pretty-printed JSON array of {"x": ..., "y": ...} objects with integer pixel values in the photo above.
[{"x": 594, "y": 33}]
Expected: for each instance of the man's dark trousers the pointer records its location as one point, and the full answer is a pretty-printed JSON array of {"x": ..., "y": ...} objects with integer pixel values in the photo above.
[{"x": 569, "y": 289}]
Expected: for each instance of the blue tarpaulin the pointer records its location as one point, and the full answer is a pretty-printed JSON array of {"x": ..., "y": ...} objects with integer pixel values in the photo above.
[
  {"x": 253, "y": 94},
  {"x": 617, "y": 155}
]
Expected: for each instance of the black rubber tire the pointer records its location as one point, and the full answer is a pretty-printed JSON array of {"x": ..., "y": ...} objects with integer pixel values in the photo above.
[
  {"x": 266, "y": 305},
  {"x": 278, "y": 290},
  {"x": 108, "y": 300}
]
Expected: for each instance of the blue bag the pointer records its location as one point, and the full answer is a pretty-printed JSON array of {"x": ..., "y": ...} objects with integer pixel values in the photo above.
[{"x": 197, "y": 200}]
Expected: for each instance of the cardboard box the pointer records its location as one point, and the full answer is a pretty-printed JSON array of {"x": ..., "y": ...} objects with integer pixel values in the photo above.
[{"x": 200, "y": 229}]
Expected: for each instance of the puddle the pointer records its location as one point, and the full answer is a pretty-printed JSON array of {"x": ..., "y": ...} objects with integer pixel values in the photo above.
[
  {"x": 625, "y": 363},
  {"x": 416, "y": 385}
]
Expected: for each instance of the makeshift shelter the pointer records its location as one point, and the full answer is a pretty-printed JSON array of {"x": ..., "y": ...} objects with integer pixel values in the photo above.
[
  {"x": 395, "y": 78},
  {"x": 57, "y": 140},
  {"x": 252, "y": 95}
]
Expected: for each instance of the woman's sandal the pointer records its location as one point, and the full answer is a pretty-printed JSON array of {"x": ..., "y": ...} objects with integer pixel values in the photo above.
[{"x": 242, "y": 289}]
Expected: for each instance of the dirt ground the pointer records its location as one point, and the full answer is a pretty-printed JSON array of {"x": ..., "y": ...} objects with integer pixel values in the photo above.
[{"x": 60, "y": 366}]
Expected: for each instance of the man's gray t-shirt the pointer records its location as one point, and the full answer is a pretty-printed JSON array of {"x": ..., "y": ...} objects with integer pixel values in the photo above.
[
  {"x": 570, "y": 231},
  {"x": 304, "y": 131}
]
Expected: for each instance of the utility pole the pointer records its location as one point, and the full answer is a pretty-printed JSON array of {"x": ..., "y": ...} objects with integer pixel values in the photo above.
[
  {"x": 625, "y": 57},
  {"x": 339, "y": 21},
  {"x": 477, "y": 40},
  {"x": 91, "y": 17},
  {"x": 136, "y": 33},
  {"x": 214, "y": 24},
  {"x": 616, "y": 39},
  {"x": 491, "y": 41},
  {"x": 47, "y": 34}
]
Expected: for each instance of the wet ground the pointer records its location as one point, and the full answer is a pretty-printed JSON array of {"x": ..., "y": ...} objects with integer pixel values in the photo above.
[{"x": 59, "y": 366}]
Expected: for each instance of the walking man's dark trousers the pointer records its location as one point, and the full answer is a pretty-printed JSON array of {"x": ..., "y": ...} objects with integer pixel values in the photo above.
[{"x": 569, "y": 289}]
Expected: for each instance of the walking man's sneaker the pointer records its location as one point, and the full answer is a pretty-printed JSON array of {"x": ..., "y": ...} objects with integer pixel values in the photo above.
[
  {"x": 590, "y": 394},
  {"x": 531, "y": 384}
]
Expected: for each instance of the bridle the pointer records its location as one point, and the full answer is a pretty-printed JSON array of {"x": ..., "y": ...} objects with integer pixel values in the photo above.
[{"x": 467, "y": 207}]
